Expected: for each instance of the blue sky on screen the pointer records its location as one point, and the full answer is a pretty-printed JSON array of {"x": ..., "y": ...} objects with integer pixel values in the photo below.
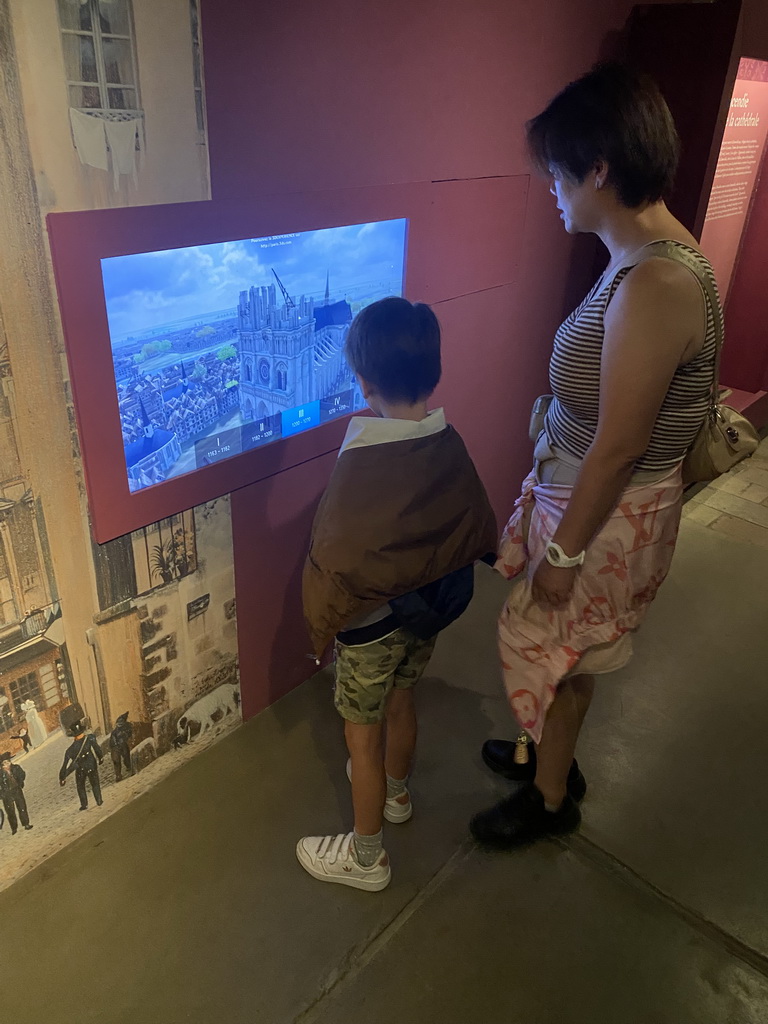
[{"x": 149, "y": 290}]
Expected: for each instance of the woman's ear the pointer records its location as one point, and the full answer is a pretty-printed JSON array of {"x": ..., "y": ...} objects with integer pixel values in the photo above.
[{"x": 601, "y": 174}]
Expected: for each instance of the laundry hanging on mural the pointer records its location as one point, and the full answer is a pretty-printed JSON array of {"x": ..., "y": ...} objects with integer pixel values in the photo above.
[
  {"x": 123, "y": 139},
  {"x": 103, "y": 138},
  {"x": 90, "y": 139}
]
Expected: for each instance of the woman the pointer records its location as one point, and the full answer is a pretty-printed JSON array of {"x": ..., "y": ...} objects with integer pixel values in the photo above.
[
  {"x": 631, "y": 373},
  {"x": 38, "y": 734}
]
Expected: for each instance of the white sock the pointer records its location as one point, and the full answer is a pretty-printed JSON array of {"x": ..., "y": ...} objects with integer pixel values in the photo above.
[
  {"x": 396, "y": 787},
  {"x": 368, "y": 849},
  {"x": 553, "y": 808}
]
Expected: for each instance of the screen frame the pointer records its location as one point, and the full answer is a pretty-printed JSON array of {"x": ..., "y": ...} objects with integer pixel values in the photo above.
[{"x": 79, "y": 241}]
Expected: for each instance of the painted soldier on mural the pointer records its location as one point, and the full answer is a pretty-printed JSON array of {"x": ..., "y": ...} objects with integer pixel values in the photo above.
[
  {"x": 83, "y": 757},
  {"x": 120, "y": 746},
  {"x": 12, "y": 777}
]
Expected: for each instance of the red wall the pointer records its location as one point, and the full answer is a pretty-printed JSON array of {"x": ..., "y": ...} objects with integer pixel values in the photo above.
[
  {"x": 745, "y": 357},
  {"x": 343, "y": 94}
]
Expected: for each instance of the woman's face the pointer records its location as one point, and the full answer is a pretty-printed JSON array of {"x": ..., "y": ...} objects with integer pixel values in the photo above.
[{"x": 575, "y": 202}]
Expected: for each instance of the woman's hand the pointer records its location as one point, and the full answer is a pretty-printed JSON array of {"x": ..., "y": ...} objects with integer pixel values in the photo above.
[{"x": 552, "y": 586}]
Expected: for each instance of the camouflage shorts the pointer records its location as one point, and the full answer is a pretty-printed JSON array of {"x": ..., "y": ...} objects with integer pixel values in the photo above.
[{"x": 365, "y": 676}]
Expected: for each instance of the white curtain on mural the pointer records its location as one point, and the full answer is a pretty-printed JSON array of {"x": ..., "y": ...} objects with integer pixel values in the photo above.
[
  {"x": 90, "y": 139},
  {"x": 103, "y": 135}
]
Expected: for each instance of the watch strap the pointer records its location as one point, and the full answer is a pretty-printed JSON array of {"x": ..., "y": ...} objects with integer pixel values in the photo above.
[{"x": 558, "y": 558}]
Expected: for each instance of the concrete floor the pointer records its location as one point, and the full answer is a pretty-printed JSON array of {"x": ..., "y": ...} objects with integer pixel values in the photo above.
[{"x": 188, "y": 905}]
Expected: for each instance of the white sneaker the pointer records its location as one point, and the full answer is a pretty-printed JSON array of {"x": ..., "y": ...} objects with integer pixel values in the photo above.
[
  {"x": 332, "y": 859},
  {"x": 395, "y": 809}
]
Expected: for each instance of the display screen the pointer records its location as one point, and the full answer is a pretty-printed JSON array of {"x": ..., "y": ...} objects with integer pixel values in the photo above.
[{"x": 222, "y": 348}]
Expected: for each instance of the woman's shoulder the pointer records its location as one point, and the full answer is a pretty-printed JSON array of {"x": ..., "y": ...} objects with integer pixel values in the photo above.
[
  {"x": 657, "y": 296},
  {"x": 658, "y": 277}
]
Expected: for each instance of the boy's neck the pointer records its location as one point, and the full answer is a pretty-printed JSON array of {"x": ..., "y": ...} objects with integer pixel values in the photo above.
[{"x": 403, "y": 411}]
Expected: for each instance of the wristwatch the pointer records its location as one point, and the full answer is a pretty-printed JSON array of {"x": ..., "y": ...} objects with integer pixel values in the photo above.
[{"x": 557, "y": 557}]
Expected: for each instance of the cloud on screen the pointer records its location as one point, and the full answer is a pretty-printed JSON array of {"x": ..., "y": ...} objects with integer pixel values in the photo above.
[{"x": 149, "y": 290}]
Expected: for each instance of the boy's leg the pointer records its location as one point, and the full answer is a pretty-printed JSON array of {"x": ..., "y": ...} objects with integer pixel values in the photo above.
[
  {"x": 365, "y": 744},
  {"x": 402, "y": 726},
  {"x": 402, "y": 730},
  {"x": 364, "y": 678}
]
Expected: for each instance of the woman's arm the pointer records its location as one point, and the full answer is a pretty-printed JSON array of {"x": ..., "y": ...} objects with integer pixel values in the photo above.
[{"x": 653, "y": 321}]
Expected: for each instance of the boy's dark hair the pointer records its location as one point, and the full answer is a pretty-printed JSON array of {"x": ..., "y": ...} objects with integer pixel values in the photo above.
[
  {"x": 394, "y": 345},
  {"x": 614, "y": 114}
]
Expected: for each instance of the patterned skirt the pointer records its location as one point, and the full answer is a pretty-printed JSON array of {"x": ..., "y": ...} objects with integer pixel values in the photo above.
[{"x": 626, "y": 563}]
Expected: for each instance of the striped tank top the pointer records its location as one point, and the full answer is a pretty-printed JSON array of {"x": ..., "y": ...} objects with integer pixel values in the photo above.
[{"x": 574, "y": 373}]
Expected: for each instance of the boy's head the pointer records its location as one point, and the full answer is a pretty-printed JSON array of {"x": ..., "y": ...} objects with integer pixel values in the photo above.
[{"x": 393, "y": 348}]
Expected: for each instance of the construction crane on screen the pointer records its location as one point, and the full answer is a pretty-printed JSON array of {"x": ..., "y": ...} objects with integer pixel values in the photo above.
[{"x": 289, "y": 303}]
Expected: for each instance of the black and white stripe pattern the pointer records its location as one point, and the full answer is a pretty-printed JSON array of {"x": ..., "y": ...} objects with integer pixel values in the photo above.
[{"x": 571, "y": 421}]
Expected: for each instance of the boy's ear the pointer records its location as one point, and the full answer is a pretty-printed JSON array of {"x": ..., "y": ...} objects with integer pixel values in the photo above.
[{"x": 365, "y": 387}]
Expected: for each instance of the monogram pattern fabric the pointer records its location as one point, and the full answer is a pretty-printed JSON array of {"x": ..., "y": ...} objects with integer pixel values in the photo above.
[{"x": 625, "y": 565}]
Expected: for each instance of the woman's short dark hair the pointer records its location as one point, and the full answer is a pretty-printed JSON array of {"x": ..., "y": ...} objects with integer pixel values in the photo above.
[
  {"x": 614, "y": 114},
  {"x": 394, "y": 345}
]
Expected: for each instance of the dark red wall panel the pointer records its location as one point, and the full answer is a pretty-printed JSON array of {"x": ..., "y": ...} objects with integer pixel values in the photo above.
[
  {"x": 461, "y": 237},
  {"x": 348, "y": 95},
  {"x": 271, "y": 521},
  {"x": 745, "y": 356}
]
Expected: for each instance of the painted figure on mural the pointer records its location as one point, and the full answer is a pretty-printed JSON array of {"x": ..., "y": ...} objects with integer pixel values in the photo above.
[
  {"x": 81, "y": 758},
  {"x": 120, "y": 746},
  {"x": 12, "y": 778},
  {"x": 23, "y": 735},
  {"x": 38, "y": 734}
]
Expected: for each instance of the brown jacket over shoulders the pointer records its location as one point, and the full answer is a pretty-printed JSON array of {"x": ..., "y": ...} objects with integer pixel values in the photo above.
[{"x": 395, "y": 517}]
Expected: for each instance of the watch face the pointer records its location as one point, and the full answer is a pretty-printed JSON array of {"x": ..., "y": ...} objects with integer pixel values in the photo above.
[{"x": 264, "y": 372}]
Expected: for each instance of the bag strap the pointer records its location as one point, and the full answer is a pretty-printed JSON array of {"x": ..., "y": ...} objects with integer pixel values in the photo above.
[
  {"x": 671, "y": 251},
  {"x": 76, "y": 758}
]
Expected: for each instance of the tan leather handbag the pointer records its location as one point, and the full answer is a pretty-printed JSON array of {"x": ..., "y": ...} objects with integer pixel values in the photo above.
[{"x": 726, "y": 437}]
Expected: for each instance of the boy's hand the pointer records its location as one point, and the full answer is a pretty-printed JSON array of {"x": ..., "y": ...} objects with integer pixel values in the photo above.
[{"x": 552, "y": 586}]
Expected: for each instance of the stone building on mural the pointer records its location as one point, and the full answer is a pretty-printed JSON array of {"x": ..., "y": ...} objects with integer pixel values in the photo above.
[
  {"x": 33, "y": 659},
  {"x": 145, "y": 624}
]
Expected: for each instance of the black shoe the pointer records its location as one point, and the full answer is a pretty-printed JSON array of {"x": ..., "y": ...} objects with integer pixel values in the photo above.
[
  {"x": 522, "y": 819},
  {"x": 83, "y": 808},
  {"x": 28, "y": 828},
  {"x": 99, "y": 803},
  {"x": 499, "y": 755},
  {"x": 14, "y": 831}
]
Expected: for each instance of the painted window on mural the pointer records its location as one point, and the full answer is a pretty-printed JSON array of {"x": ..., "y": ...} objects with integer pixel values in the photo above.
[
  {"x": 8, "y": 607},
  {"x": 99, "y": 54},
  {"x": 26, "y": 687},
  {"x": 146, "y": 559},
  {"x": 197, "y": 64},
  {"x": 164, "y": 551},
  {"x": 51, "y": 683},
  {"x": 6, "y": 715}
]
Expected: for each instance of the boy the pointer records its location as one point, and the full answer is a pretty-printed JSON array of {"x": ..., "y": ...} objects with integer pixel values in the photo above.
[{"x": 390, "y": 564}]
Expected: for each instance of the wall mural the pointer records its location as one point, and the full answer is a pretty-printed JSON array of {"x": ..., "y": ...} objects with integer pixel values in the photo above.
[{"x": 117, "y": 662}]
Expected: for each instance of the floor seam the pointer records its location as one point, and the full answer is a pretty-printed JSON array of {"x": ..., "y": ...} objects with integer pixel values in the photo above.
[
  {"x": 361, "y": 955},
  {"x": 608, "y": 863}
]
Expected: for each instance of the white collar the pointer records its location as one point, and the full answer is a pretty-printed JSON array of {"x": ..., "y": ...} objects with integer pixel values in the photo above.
[{"x": 369, "y": 430}]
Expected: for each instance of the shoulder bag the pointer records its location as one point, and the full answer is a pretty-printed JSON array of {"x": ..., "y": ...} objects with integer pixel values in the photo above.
[{"x": 726, "y": 437}]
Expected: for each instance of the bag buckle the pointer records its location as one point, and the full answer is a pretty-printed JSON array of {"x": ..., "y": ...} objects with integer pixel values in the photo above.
[{"x": 732, "y": 434}]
